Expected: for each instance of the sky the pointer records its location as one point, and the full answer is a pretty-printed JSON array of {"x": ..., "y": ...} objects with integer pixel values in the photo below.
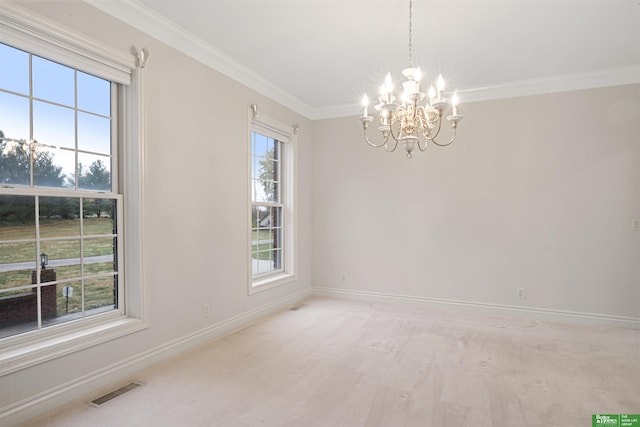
[{"x": 65, "y": 104}]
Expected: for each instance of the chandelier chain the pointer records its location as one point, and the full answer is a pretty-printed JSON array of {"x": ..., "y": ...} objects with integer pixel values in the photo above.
[{"x": 411, "y": 33}]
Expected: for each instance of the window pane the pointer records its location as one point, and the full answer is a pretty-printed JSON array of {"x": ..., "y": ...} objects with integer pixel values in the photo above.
[
  {"x": 14, "y": 69},
  {"x": 92, "y": 268},
  {"x": 265, "y": 169},
  {"x": 262, "y": 213},
  {"x": 266, "y": 246},
  {"x": 94, "y": 133},
  {"x": 53, "y": 82},
  {"x": 257, "y": 167},
  {"x": 18, "y": 312},
  {"x": 59, "y": 217},
  {"x": 14, "y": 275},
  {"x": 17, "y": 217},
  {"x": 53, "y": 125},
  {"x": 69, "y": 301},
  {"x": 270, "y": 154},
  {"x": 94, "y": 172},
  {"x": 49, "y": 298},
  {"x": 101, "y": 249},
  {"x": 17, "y": 260},
  {"x": 99, "y": 294},
  {"x": 99, "y": 215},
  {"x": 100, "y": 256},
  {"x": 14, "y": 163},
  {"x": 94, "y": 94},
  {"x": 14, "y": 116},
  {"x": 265, "y": 191},
  {"x": 259, "y": 144},
  {"x": 53, "y": 167},
  {"x": 64, "y": 258}
]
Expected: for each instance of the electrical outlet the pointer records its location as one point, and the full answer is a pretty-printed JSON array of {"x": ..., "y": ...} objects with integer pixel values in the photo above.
[
  {"x": 635, "y": 224},
  {"x": 520, "y": 293},
  {"x": 205, "y": 310}
]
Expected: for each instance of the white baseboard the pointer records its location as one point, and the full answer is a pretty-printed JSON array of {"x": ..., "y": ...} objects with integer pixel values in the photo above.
[
  {"x": 108, "y": 377},
  {"x": 533, "y": 313}
]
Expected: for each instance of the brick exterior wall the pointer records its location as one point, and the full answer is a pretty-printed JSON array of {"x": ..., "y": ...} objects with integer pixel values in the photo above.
[{"x": 16, "y": 309}]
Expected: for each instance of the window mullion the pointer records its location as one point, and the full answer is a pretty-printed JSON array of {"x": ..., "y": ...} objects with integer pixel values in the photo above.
[
  {"x": 30, "y": 142},
  {"x": 38, "y": 268},
  {"x": 115, "y": 165}
]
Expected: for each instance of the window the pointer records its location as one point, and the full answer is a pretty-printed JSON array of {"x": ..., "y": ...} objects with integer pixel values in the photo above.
[
  {"x": 68, "y": 115},
  {"x": 59, "y": 240},
  {"x": 272, "y": 216}
]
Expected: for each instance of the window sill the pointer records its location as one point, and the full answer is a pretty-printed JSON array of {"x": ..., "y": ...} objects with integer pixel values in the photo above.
[
  {"x": 22, "y": 352},
  {"x": 264, "y": 284}
]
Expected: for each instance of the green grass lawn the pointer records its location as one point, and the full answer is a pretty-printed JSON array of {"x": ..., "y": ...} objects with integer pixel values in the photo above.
[
  {"x": 262, "y": 251},
  {"x": 98, "y": 291},
  {"x": 68, "y": 229}
]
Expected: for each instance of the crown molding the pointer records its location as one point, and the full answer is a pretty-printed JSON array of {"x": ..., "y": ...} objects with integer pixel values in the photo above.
[
  {"x": 554, "y": 84},
  {"x": 146, "y": 20},
  {"x": 153, "y": 24}
]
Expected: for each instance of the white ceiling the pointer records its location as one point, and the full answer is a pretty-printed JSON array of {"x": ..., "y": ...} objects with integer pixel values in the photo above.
[{"x": 320, "y": 56}]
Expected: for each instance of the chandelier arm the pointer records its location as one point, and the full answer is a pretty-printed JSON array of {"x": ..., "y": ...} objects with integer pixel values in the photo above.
[
  {"x": 431, "y": 138},
  {"x": 426, "y": 142},
  {"x": 453, "y": 138},
  {"x": 393, "y": 135},
  {"x": 395, "y": 145},
  {"x": 366, "y": 138}
]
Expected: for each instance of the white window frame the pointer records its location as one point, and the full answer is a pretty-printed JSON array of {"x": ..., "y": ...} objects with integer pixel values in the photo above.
[
  {"x": 29, "y": 31},
  {"x": 287, "y": 137}
]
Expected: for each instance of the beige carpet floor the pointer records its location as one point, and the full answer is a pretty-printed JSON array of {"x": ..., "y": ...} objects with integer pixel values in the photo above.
[{"x": 346, "y": 363}]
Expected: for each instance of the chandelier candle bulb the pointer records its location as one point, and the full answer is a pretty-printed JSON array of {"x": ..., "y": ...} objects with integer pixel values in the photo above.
[
  {"x": 440, "y": 84},
  {"x": 365, "y": 104},
  {"x": 454, "y": 104},
  {"x": 432, "y": 92},
  {"x": 388, "y": 86}
]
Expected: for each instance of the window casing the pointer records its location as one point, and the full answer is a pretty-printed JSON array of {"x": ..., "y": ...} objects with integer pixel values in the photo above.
[
  {"x": 272, "y": 213},
  {"x": 70, "y": 135}
]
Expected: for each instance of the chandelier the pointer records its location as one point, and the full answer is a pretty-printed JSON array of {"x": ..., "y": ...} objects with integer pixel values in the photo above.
[{"x": 409, "y": 122}]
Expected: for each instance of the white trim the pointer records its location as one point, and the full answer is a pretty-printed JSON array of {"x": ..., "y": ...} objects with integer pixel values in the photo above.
[
  {"x": 135, "y": 198},
  {"x": 157, "y": 26},
  {"x": 543, "y": 86},
  {"x": 91, "y": 383},
  {"x": 533, "y": 312},
  {"x": 139, "y": 16},
  {"x": 287, "y": 135},
  {"x": 553, "y": 84},
  {"x": 270, "y": 282},
  {"x": 27, "y": 30},
  {"x": 66, "y": 341}
]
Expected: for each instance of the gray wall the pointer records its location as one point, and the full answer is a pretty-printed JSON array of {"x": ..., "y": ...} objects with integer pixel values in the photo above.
[{"x": 537, "y": 192}]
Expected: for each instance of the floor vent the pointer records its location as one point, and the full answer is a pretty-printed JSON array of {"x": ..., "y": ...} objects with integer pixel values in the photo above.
[
  {"x": 113, "y": 394},
  {"x": 297, "y": 307}
]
